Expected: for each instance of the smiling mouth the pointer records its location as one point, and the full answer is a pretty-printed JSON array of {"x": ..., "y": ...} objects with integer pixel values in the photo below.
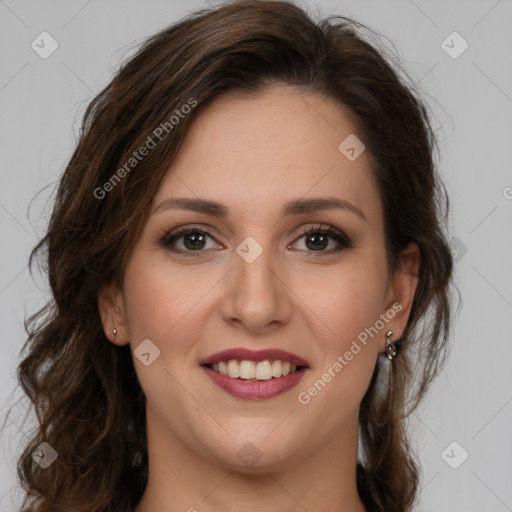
[{"x": 254, "y": 371}]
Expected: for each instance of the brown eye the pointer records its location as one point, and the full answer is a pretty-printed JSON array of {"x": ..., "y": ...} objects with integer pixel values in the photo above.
[
  {"x": 186, "y": 240},
  {"x": 194, "y": 241},
  {"x": 318, "y": 239}
]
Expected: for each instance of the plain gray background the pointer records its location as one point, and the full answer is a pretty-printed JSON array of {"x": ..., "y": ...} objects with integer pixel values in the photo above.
[{"x": 42, "y": 102}]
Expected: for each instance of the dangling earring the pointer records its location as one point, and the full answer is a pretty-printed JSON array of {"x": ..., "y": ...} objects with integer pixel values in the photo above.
[
  {"x": 114, "y": 331},
  {"x": 391, "y": 347}
]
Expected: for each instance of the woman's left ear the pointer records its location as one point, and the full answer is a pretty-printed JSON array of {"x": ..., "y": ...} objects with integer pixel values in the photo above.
[
  {"x": 111, "y": 309},
  {"x": 403, "y": 287}
]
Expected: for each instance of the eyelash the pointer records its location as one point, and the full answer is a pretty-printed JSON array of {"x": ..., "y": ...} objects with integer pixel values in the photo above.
[{"x": 341, "y": 238}]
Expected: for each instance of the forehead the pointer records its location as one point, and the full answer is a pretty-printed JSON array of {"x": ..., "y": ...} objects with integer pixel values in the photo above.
[{"x": 281, "y": 143}]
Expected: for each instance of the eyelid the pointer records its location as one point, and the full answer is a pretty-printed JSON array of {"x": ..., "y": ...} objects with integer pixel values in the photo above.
[
  {"x": 167, "y": 238},
  {"x": 320, "y": 227},
  {"x": 343, "y": 241},
  {"x": 340, "y": 236}
]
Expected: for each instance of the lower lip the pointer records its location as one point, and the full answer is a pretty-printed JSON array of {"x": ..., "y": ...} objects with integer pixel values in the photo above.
[{"x": 255, "y": 389}]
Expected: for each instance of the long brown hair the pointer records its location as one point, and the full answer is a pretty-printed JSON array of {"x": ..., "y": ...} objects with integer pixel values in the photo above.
[{"x": 84, "y": 390}]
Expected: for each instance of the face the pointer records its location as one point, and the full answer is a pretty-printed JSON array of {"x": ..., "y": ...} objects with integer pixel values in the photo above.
[{"x": 261, "y": 266}]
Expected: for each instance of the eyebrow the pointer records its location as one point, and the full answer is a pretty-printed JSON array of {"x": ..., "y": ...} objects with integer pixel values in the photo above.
[{"x": 294, "y": 207}]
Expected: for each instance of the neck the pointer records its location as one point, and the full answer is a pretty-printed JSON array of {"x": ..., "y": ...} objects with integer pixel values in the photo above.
[{"x": 182, "y": 479}]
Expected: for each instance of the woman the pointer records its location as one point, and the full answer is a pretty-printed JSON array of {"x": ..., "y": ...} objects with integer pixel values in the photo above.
[{"x": 248, "y": 267}]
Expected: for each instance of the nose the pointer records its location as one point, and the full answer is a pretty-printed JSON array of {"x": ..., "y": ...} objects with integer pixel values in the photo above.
[{"x": 256, "y": 295}]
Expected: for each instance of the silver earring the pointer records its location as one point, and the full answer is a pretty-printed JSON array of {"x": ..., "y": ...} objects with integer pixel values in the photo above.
[
  {"x": 114, "y": 331},
  {"x": 391, "y": 348}
]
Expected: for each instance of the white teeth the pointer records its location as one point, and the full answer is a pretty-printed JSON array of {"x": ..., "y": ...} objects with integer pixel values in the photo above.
[
  {"x": 233, "y": 369},
  {"x": 249, "y": 370},
  {"x": 276, "y": 368},
  {"x": 263, "y": 370}
]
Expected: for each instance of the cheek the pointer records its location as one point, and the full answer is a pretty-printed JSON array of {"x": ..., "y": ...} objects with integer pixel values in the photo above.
[
  {"x": 162, "y": 305},
  {"x": 159, "y": 300},
  {"x": 347, "y": 306},
  {"x": 337, "y": 385},
  {"x": 346, "y": 301}
]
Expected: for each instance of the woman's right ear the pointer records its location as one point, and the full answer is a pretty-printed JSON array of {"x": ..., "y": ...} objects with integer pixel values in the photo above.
[{"x": 111, "y": 309}]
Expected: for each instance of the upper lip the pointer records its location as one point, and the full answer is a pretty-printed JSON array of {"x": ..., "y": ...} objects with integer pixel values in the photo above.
[{"x": 256, "y": 356}]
